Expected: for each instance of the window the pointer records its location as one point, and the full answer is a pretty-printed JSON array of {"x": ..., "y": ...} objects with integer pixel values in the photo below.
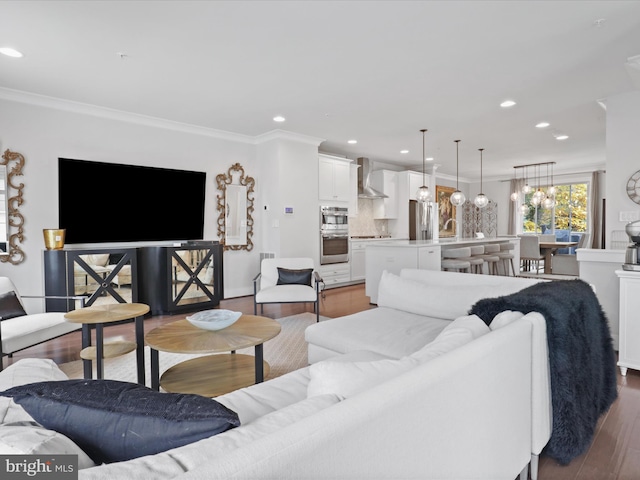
[{"x": 567, "y": 217}]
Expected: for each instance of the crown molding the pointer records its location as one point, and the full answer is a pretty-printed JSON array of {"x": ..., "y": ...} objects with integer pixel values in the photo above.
[
  {"x": 287, "y": 135},
  {"x": 119, "y": 115}
]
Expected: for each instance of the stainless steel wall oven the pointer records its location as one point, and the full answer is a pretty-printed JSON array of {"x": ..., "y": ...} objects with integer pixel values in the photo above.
[{"x": 334, "y": 235}]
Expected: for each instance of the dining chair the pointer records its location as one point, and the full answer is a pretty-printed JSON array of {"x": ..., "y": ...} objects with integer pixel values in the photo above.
[
  {"x": 567, "y": 263},
  {"x": 530, "y": 252}
]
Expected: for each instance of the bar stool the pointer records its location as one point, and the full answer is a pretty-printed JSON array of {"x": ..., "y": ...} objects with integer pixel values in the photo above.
[
  {"x": 506, "y": 257},
  {"x": 456, "y": 259},
  {"x": 476, "y": 260},
  {"x": 491, "y": 258}
]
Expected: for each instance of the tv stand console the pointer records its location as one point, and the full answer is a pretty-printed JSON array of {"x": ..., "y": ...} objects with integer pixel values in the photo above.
[
  {"x": 175, "y": 279},
  {"x": 170, "y": 279}
]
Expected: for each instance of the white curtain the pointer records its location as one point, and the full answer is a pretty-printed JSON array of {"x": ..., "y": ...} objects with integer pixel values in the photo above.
[{"x": 514, "y": 207}]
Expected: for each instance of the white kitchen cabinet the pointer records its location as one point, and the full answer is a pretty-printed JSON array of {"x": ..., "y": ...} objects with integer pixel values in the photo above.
[
  {"x": 429, "y": 258},
  {"x": 385, "y": 181},
  {"x": 335, "y": 274},
  {"x": 357, "y": 261},
  {"x": 393, "y": 256},
  {"x": 353, "y": 193},
  {"x": 334, "y": 179},
  {"x": 629, "y": 340}
]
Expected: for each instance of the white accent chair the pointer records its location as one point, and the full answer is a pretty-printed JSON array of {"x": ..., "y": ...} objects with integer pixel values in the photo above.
[
  {"x": 24, "y": 331},
  {"x": 267, "y": 290}
]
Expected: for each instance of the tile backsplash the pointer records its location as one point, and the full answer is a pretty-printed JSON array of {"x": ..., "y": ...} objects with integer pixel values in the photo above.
[{"x": 364, "y": 224}]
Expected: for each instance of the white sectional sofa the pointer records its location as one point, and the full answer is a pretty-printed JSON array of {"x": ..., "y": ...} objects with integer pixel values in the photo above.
[
  {"x": 413, "y": 308},
  {"x": 448, "y": 406}
]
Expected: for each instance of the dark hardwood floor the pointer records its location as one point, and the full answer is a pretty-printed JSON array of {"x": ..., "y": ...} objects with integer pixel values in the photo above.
[{"x": 613, "y": 455}]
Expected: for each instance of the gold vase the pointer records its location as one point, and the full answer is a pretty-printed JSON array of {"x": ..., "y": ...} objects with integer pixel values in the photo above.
[{"x": 54, "y": 238}]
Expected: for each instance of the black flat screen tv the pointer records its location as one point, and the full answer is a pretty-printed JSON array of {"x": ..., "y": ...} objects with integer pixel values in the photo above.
[{"x": 101, "y": 202}]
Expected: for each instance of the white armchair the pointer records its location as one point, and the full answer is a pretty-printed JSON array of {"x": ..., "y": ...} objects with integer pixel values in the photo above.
[
  {"x": 25, "y": 330},
  {"x": 287, "y": 280}
]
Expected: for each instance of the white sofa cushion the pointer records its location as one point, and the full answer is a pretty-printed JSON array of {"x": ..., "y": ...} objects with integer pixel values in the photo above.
[
  {"x": 33, "y": 439},
  {"x": 346, "y": 379},
  {"x": 30, "y": 370},
  {"x": 459, "y": 332},
  {"x": 173, "y": 462},
  {"x": 349, "y": 378},
  {"x": 442, "y": 299},
  {"x": 504, "y": 318},
  {"x": 411, "y": 296},
  {"x": 256, "y": 401},
  {"x": 26, "y": 370},
  {"x": 390, "y": 332}
]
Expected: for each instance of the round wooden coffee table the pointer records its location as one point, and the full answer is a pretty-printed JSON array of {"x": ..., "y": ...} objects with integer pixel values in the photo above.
[
  {"x": 98, "y": 315},
  {"x": 211, "y": 375}
]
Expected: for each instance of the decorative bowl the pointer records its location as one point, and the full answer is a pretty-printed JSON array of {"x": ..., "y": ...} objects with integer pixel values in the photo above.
[{"x": 214, "y": 319}]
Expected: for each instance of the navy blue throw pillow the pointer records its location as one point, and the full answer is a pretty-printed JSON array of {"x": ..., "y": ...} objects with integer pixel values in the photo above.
[
  {"x": 10, "y": 306},
  {"x": 294, "y": 277},
  {"x": 114, "y": 421}
]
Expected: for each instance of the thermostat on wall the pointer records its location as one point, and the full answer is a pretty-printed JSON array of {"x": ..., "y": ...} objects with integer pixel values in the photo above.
[{"x": 288, "y": 210}]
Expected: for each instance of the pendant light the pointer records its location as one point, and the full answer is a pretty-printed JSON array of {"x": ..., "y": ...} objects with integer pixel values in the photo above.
[
  {"x": 515, "y": 195},
  {"x": 526, "y": 189},
  {"x": 538, "y": 195},
  {"x": 551, "y": 191},
  {"x": 457, "y": 198},
  {"x": 481, "y": 199},
  {"x": 549, "y": 201},
  {"x": 423, "y": 195}
]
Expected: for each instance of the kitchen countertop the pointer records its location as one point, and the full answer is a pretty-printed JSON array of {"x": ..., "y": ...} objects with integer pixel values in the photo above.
[
  {"x": 367, "y": 238},
  {"x": 442, "y": 242}
]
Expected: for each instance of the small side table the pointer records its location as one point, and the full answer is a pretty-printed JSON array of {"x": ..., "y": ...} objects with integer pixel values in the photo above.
[
  {"x": 98, "y": 315},
  {"x": 211, "y": 375}
]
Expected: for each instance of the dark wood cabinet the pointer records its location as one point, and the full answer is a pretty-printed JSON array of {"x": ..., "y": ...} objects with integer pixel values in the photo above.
[
  {"x": 182, "y": 278},
  {"x": 170, "y": 279},
  {"x": 101, "y": 275}
]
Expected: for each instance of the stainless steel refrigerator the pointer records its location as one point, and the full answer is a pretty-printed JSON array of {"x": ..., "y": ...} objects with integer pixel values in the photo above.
[{"x": 423, "y": 220}]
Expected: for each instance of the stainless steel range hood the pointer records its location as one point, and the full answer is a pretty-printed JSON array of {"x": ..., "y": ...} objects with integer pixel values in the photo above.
[{"x": 364, "y": 189}]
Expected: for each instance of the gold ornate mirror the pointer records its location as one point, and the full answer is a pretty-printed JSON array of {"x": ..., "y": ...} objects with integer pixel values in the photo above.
[
  {"x": 235, "y": 207},
  {"x": 11, "y": 220}
]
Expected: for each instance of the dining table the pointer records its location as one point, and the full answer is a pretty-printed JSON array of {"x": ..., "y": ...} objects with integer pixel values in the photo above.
[{"x": 549, "y": 248}]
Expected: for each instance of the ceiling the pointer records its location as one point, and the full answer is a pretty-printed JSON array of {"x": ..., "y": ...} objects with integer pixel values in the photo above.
[{"x": 374, "y": 71}]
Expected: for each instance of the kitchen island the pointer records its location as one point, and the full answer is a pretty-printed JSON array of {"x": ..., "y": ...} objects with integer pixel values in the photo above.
[{"x": 394, "y": 255}]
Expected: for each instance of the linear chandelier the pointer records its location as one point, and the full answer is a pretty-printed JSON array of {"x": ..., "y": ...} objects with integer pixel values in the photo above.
[{"x": 539, "y": 198}]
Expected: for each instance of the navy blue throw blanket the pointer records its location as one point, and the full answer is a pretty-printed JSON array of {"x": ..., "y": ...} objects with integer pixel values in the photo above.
[{"x": 582, "y": 361}]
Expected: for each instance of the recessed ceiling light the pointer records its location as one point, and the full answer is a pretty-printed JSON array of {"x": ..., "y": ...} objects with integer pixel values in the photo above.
[
  {"x": 542, "y": 125},
  {"x": 352, "y": 142},
  {"x": 279, "y": 118},
  {"x": 562, "y": 137},
  {"x": 404, "y": 151},
  {"x": 10, "y": 52},
  {"x": 429, "y": 159},
  {"x": 507, "y": 104}
]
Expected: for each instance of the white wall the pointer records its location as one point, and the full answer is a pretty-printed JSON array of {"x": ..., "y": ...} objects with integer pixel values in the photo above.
[
  {"x": 289, "y": 166},
  {"x": 43, "y": 134},
  {"x": 623, "y": 147}
]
